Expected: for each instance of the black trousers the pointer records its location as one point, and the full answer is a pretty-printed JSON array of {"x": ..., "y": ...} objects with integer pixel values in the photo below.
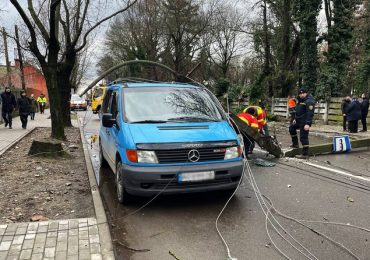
[
  {"x": 42, "y": 107},
  {"x": 353, "y": 126},
  {"x": 364, "y": 123},
  {"x": 344, "y": 123},
  {"x": 248, "y": 144},
  {"x": 24, "y": 119},
  {"x": 32, "y": 115},
  {"x": 7, "y": 116},
  {"x": 303, "y": 136}
]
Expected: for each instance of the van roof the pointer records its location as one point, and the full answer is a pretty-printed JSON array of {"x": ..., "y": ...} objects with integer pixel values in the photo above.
[{"x": 149, "y": 84}]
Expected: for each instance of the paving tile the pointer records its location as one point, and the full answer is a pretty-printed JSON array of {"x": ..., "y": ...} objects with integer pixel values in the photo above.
[
  {"x": 61, "y": 246},
  {"x": 95, "y": 248},
  {"x": 26, "y": 254},
  {"x": 40, "y": 238},
  {"x": 7, "y": 238},
  {"x": 3, "y": 226},
  {"x": 96, "y": 257},
  {"x": 18, "y": 240},
  {"x": 5, "y": 245},
  {"x": 94, "y": 239},
  {"x": 49, "y": 252},
  {"x": 42, "y": 229},
  {"x": 9, "y": 233},
  {"x": 61, "y": 255},
  {"x": 73, "y": 223},
  {"x": 28, "y": 244},
  {"x": 12, "y": 227},
  {"x": 38, "y": 248},
  {"x": 21, "y": 231},
  {"x": 83, "y": 235},
  {"x": 84, "y": 255},
  {"x": 91, "y": 221},
  {"x": 3, "y": 254},
  {"x": 12, "y": 257},
  {"x": 2, "y": 231},
  {"x": 72, "y": 257},
  {"x": 37, "y": 256},
  {"x": 52, "y": 233},
  {"x": 93, "y": 230},
  {"x": 72, "y": 250},
  {"x": 73, "y": 232},
  {"x": 83, "y": 244},
  {"x": 51, "y": 242},
  {"x": 62, "y": 235},
  {"x": 15, "y": 249},
  {"x": 30, "y": 236},
  {"x": 53, "y": 226}
]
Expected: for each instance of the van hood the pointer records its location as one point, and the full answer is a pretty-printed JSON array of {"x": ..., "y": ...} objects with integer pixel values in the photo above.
[{"x": 185, "y": 132}]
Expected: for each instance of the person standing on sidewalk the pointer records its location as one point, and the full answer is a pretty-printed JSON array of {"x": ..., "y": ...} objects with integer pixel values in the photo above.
[
  {"x": 303, "y": 120},
  {"x": 24, "y": 105},
  {"x": 42, "y": 102},
  {"x": 364, "y": 111},
  {"x": 353, "y": 115},
  {"x": 33, "y": 108},
  {"x": 344, "y": 106},
  {"x": 9, "y": 103},
  {"x": 292, "y": 103}
]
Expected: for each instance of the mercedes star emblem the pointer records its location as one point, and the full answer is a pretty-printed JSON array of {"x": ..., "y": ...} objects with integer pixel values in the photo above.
[{"x": 193, "y": 155}]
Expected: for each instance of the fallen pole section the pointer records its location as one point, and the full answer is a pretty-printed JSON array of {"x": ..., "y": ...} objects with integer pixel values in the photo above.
[{"x": 327, "y": 148}]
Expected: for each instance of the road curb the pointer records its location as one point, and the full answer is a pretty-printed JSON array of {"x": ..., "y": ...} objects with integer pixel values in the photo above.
[
  {"x": 101, "y": 218},
  {"x": 29, "y": 131}
]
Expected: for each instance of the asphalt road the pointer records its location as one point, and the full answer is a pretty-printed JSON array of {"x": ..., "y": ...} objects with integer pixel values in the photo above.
[{"x": 183, "y": 227}]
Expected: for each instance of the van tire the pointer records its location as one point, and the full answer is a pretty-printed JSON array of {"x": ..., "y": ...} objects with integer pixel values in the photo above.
[
  {"x": 103, "y": 162},
  {"x": 122, "y": 195}
]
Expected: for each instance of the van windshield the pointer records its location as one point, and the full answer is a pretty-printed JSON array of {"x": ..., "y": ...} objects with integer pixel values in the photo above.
[{"x": 167, "y": 104}]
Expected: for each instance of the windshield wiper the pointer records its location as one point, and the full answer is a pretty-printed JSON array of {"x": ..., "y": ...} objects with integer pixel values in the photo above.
[
  {"x": 149, "y": 122},
  {"x": 193, "y": 118}
]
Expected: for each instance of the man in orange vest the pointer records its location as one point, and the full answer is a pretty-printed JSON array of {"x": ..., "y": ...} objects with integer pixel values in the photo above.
[
  {"x": 252, "y": 122},
  {"x": 261, "y": 117},
  {"x": 292, "y": 102}
]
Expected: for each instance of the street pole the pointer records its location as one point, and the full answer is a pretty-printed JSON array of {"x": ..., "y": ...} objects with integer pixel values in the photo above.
[
  {"x": 6, "y": 57},
  {"x": 20, "y": 58}
]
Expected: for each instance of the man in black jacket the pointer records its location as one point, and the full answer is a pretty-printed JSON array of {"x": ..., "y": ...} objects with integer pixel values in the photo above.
[
  {"x": 353, "y": 113},
  {"x": 24, "y": 105},
  {"x": 364, "y": 111},
  {"x": 9, "y": 103},
  {"x": 303, "y": 120}
]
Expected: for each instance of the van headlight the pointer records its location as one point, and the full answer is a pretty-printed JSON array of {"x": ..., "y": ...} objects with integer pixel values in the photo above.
[
  {"x": 146, "y": 157},
  {"x": 232, "y": 152}
]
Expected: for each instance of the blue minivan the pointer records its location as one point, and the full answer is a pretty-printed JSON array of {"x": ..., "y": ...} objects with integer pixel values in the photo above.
[{"x": 167, "y": 138}]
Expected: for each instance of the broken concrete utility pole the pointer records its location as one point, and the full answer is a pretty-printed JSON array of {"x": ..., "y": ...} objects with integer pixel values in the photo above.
[
  {"x": 327, "y": 148},
  {"x": 267, "y": 143}
]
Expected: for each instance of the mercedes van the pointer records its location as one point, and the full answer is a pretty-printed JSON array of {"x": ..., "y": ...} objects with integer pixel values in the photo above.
[{"x": 167, "y": 138}]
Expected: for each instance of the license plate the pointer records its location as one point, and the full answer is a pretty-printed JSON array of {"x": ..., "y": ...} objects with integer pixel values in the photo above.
[{"x": 196, "y": 176}]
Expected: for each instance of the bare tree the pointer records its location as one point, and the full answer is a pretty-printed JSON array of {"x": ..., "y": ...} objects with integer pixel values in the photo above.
[
  {"x": 227, "y": 37},
  {"x": 56, "y": 43}
]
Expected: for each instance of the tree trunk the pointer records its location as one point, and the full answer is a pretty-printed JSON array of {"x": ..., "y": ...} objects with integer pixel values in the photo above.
[
  {"x": 65, "y": 95},
  {"x": 267, "y": 69},
  {"x": 57, "y": 126}
]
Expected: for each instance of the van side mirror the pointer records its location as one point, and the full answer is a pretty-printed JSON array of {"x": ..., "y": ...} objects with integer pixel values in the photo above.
[{"x": 107, "y": 120}]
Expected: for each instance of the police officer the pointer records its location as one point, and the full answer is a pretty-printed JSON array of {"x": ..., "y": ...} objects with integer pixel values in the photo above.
[{"x": 303, "y": 120}]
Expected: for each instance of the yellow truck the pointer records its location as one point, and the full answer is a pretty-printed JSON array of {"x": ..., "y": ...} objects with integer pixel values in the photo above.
[{"x": 97, "y": 98}]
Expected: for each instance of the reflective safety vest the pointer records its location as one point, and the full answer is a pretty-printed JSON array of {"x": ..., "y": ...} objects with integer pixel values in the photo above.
[
  {"x": 261, "y": 116},
  {"x": 292, "y": 103},
  {"x": 41, "y": 99},
  {"x": 249, "y": 119}
]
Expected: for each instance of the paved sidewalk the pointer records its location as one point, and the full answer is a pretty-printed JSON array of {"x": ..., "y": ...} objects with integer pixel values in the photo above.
[
  {"x": 75, "y": 239},
  {"x": 10, "y": 136}
]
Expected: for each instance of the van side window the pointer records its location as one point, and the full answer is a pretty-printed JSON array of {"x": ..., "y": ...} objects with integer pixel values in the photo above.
[
  {"x": 114, "y": 107},
  {"x": 106, "y": 102}
]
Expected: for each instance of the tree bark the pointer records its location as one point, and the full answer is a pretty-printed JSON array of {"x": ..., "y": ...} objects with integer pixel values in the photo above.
[{"x": 57, "y": 126}]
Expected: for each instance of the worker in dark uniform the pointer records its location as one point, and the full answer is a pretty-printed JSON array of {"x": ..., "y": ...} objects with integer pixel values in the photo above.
[{"x": 303, "y": 119}]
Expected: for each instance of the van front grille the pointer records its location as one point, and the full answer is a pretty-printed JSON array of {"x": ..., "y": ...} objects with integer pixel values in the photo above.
[{"x": 182, "y": 155}]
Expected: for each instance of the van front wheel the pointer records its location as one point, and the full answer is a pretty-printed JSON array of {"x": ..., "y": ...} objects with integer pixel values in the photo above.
[{"x": 122, "y": 196}]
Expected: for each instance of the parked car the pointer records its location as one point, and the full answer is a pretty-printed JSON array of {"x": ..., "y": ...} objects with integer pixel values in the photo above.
[
  {"x": 168, "y": 138},
  {"x": 97, "y": 98},
  {"x": 77, "y": 103}
]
